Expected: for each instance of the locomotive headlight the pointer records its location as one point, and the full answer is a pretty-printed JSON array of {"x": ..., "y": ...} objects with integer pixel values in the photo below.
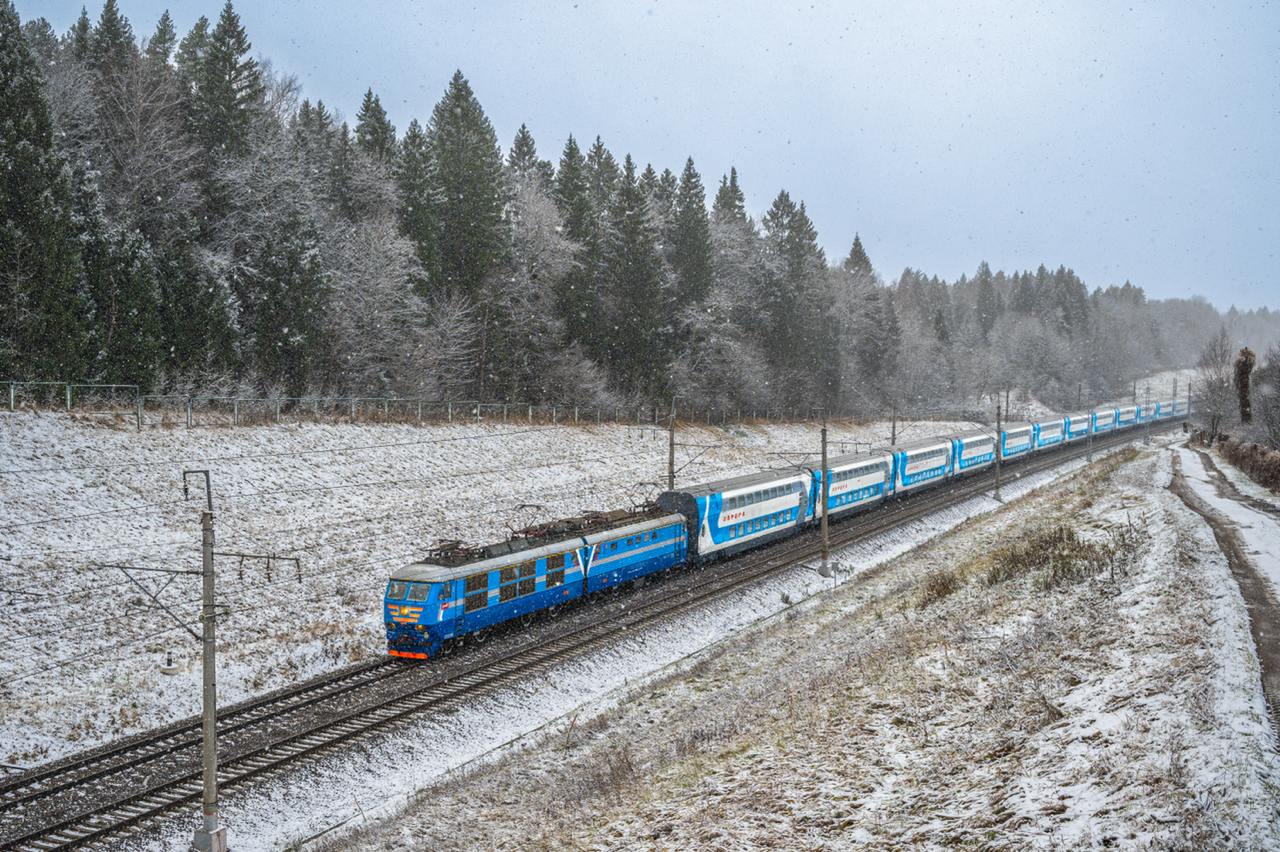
[{"x": 419, "y": 628}]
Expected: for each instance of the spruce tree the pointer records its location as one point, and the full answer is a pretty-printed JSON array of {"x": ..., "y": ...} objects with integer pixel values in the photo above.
[
  {"x": 190, "y": 60},
  {"x": 523, "y": 162},
  {"x": 111, "y": 46},
  {"x": 375, "y": 134},
  {"x": 229, "y": 87},
  {"x": 119, "y": 277},
  {"x": 602, "y": 176},
  {"x": 43, "y": 310},
  {"x": 467, "y": 189},
  {"x": 163, "y": 40},
  {"x": 730, "y": 204},
  {"x": 636, "y": 350},
  {"x": 417, "y": 204},
  {"x": 80, "y": 36},
  {"x": 691, "y": 239},
  {"x": 986, "y": 298},
  {"x": 42, "y": 40},
  {"x": 577, "y": 296}
]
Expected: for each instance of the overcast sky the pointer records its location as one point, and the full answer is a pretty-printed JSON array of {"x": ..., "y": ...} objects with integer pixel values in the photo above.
[{"x": 1127, "y": 140}]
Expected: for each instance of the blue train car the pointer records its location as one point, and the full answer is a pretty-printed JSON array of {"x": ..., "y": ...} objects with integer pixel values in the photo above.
[
  {"x": 857, "y": 481},
  {"x": 451, "y": 594},
  {"x": 921, "y": 463},
  {"x": 1016, "y": 439},
  {"x": 1077, "y": 426},
  {"x": 1049, "y": 432},
  {"x": 973, "y": 451},
  {"x": 733, "y": 515},
  {"x": 1103, "y": 420},
  {"x": 1163, "y": 409},
  {"x": 1128, "y": 415}
]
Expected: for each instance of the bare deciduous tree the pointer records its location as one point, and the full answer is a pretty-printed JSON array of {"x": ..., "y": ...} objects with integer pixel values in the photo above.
[{"x": 1211, "y": 387}]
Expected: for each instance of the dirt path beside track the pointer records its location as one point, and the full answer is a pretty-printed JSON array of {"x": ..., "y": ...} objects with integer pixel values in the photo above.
[{"x": 1264, "y": 610}]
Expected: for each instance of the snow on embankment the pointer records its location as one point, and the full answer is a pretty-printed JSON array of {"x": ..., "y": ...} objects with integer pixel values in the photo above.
[
  {"x": 80, "y": 648},
  {"x": 968, "y": 693}
]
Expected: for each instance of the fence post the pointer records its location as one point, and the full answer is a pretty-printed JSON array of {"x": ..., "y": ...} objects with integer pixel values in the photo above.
[
  {"x": 235, "y": 411},
  {"x": 353, "y": 410},
  {"x": 68, "y": 396},
  {"x": 531, "y": 414},
  {"x": 385, "y": 415},
  {"x": 553, "y": 415},
  {"x": 597, "y": 415},
  {"x": 419, "y": 411},
  {"x": 139, "y": 400},
  {"x": 12, "y": 394},
  {"x": 277, "y": 409},
  {"x": 189, "y": 401},
  {"x": 449, "y": 406},
  {"x": 504, "y": 412},
  {"x": 575, "y": 415}
]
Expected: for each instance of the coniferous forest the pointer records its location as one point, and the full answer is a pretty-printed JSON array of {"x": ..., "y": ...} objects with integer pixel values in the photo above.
[{"x": 178, "y": 214}]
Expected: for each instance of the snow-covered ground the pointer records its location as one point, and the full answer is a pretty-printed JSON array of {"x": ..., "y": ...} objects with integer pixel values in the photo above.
[
  {"x": 351, "y": 502},
  {"x": 1258, "y": 530},
  {"x": 1119, "y": 710},
  {"x": 382, "y": 776}
]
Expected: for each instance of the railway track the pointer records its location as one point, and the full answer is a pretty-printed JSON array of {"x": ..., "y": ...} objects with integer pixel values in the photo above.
[{"x": 85, "y": 799}]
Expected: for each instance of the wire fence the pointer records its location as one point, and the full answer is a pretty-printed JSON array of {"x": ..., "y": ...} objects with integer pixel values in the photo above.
[{"x": 127, "y": 402}]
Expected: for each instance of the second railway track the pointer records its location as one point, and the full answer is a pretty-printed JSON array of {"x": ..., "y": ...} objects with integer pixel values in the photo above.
[{"x": 84, "y": 799}]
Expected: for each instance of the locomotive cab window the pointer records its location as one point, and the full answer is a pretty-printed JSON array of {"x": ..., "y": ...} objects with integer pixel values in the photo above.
[
  {"x": 396, "y": 589},
  {"x": 419, "y": 591}
]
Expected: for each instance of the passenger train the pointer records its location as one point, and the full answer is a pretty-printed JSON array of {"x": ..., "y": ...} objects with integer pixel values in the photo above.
[{"x": 458, "y": 591}]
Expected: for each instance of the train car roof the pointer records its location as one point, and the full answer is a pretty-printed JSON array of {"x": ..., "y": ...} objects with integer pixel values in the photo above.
[
  {"x": 976, "y": 433},
  {"x": 744, "y": 481},
  {"x": 881, "y": 456},
  {"x": 427, "y": 571},
  {"x": 922, "y": 444},
  {"x": 1020, "y": 424},
  {"x": 1050, "y": 418}
]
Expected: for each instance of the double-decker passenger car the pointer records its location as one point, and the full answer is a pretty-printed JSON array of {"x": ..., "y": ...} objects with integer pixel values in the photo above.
[
  {"x": 973, "y": 450},
  {"x": 732, "y": 515},
  {"x": 1048, "y": 432},
  {"x": 857, "y": 481},
  {"x": 921, "y": 463},
  {"x": 1016, "y": 439}
]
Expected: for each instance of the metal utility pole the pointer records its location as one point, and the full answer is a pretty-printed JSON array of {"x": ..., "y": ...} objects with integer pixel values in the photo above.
[
  {"x": 1146, "y": 409},
  {"x": 1135, "y": 391},
  {"x": 1079, "y": 394},
  {"x": 998, "y": 452},
  {"x": 893, "y": 428},
  {"x": 209, "y": 837},
  {"x": 671, "y": 448},
  {"x": 1089, "y": 437},
  {"x": 826, "y": 499}
]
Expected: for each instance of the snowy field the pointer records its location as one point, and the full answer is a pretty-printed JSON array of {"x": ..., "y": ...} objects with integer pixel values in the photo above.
[
  {"x": 352, "y": 502},
  {"x": 381, "y": 777},
  {"x": 1119, "y": 710}
]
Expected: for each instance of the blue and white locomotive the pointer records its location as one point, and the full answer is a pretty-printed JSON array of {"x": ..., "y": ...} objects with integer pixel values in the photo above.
[{"x": 458, "y": 591}]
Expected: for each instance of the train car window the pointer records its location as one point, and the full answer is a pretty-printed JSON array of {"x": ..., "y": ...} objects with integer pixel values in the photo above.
[
  {"x": 475, "y": 602},
  {"x": 395, "y": 590},
  {"x": 555, "y": 577},
  {"x": 419, "y": 591},
  {"x": 506, "y": 593},
  {"x": 507, "y": 574},
  {"x": 527, "y": 586},
  {"x": 477, "y": 583},
  {"x": 446, "y": 591}
]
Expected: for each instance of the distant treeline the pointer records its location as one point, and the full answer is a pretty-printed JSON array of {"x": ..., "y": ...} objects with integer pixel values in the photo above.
[{"x": 177, "y": 216}]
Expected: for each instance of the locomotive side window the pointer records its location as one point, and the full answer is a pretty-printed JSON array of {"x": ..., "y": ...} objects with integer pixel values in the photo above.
[
  {"x": 419, "y": 591},
  {"x": 446, "y": 591},
  {"x": 395, "y": 589},
  {"x": 476, "y": 588},
  {"x": 506, "y": 593},
  {"x": 528, "y": 583},
  {"x": 555, "y": 575},
  {"x": 477, "y": 583}
]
